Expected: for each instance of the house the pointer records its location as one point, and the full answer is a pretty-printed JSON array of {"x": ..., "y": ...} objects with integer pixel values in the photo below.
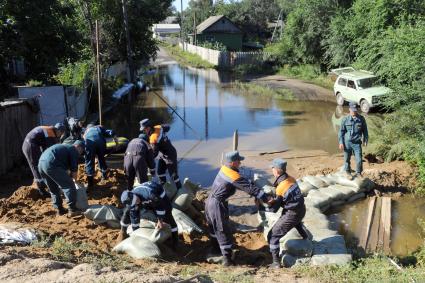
[
  {"x": 164, "y": 30},
  {"x": 219, "y": 29}
]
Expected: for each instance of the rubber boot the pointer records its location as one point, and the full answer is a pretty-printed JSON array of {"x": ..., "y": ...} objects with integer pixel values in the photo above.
[
  {"x": 90, "y": 183},
  {"x": 122, "y": 236},
  {"x": 276, "y": 259},
  {"x": 61, "y": 211},
  {"x": 227, "y": 258},
  {"x": 215, "y": 248},
  {"x": 41, "y": 189},
  {"x": 175, "y": 238},
  {"x": 73, "y": 211}
]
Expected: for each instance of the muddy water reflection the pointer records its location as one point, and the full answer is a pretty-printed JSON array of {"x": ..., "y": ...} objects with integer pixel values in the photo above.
[
  {"x": 406, "y": 234},
  {"x": 215, "y": 110}
]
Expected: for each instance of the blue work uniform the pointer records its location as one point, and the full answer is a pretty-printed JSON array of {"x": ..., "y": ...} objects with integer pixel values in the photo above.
[
  {"x": 290, "y": 198},
  {"x": 352, "y": 133},
  {"x": 37, "y": 141},
  {"x": 96, "y": 147},
  {"x": 150, "y": 197},
  {"x": 138, "y": 158},
  {"x": 162, "y": 146},
  {"x": 53, "y": 166},
  {"x": 216, "y": 206}
]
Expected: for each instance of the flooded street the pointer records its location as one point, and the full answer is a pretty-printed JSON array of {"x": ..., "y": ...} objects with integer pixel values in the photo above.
[{"x": 213, "y": 112}]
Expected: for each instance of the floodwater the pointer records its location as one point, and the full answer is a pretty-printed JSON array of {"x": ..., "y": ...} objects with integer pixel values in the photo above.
[
  {"x": 406, "y": 233},
  {"x": 212, "y": 111}
]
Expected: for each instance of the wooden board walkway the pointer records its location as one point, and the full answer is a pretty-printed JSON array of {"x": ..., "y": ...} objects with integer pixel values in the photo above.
[{"x": 376, "y": 234}]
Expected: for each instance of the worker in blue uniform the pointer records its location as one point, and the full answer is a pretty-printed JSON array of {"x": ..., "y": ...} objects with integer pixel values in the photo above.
[
  {"x": 54, "y": 166},
  {"x": 94, "y": 137},
  {"x": 36, "y": 141},
  {"x": 289, "y": 197},
  {"x": 227, "y": 181},
  {"x": 137, "y": 159},
  {"x": 352, "y": 134},
  {"x": 150, "y": 196},
  {"x": 162, "y": 147}
]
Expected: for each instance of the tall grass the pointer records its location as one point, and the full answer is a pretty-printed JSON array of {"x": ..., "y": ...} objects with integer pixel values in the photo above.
[{"x": 309, "y": 73}]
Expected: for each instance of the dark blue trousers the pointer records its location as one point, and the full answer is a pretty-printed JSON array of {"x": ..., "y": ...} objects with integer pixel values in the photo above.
[
  {"x": 349, "y": 149},
  {"x": 95, "y": 149}
]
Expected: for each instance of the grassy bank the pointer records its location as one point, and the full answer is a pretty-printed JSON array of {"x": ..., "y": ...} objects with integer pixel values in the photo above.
[
  {"x": 186, "y": 58},
  {"x": 307, "y": 73},
  {"x": 256, "y": 89}
]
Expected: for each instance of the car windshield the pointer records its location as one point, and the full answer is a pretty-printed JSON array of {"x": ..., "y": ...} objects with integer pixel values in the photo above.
[{"x": 368, "y": 82}]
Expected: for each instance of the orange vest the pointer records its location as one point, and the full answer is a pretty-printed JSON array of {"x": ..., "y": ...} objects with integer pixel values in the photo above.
[{"x": 284, "y": 186}]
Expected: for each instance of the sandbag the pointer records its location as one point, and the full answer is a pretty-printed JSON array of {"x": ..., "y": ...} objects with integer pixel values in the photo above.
[
  {"x": 356, "y": 197},
  {"x": 289, "y": 260},
  {"x": 184, "y": 223},
  {"x": 305, "y": 187},
  {"x": 82, "y": 202},
  {"x": 347, "y": 191},
  {"x": 337, "y": 203},
  {"x": 185, "y": 195},
  {"x": 315, "y": 181},
  {"x": 149, "y": 231},
  {"x": 363, "y": 184},
  {"x": 331, "y": 259},
  {"x": 138, "y": 248},
  {"x": 318, "y": 199},
  {"x": 268, "y": 219},
  {"x": 148, "y": 215},
  {"x": 333, "y": 193},
  {"x": 297, "y": 247},
  {"x": 328, "y": 180},
  {"x": 170, "y": 189},
  {"x": 104, "y": 214},
  {"x": 263, "y": 183}
]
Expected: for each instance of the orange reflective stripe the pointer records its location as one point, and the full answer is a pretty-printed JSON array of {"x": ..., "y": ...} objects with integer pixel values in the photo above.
[
  {"x": 157, "y": 135},
  {"x": 284, "y": 186},
  {"x": 49, "y": 132},
  {"x": 232, "y": 174}
]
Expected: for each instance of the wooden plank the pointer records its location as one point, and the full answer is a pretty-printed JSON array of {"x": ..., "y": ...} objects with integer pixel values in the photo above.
[
  {"x": 365, "y": 235},
  {"x": 374, "y": 230},
  {"x": 386, "y": 223}
]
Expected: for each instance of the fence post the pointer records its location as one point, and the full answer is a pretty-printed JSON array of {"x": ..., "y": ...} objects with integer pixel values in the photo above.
[{"x": 235, "y": 140}]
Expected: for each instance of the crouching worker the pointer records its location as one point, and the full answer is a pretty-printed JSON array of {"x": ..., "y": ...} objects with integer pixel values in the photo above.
[
  {"x": 288, "y": 196},
  {"x": 138, "y": 158},
  {"x": 38, "y": 140},
  {"x": 53, "y": 166},
  {"x": 151, "y": 196},
  {"x": 216, "y": 206}
]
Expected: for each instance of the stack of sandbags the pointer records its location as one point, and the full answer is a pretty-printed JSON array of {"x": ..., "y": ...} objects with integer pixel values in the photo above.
[
  {"x": 148, "y": 230},
  {"x": 104, "y": 214}
]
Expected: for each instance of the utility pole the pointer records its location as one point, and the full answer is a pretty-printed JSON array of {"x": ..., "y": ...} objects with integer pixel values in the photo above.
[
  {"x": 130, "y": 72},
  {"x": 194, "y": 28},
  {"x": 99, "y": 84},
  {"x": 181, "y": 20}
]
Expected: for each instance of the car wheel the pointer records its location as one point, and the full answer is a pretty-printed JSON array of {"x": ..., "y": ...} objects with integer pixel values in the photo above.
[
  {"x": 339, "y": 99},
  {"x": 364, "y": 106}
]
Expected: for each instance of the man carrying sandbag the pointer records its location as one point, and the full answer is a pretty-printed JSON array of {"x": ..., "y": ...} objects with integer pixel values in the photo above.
[
  {"x": 216, "y": 206},
  {"x": 151, "y": 196},
  {"x": 162, "y": 144},
  {"x": 288, "y": 196},
  {"x": 38, "y": 140},
  {"x": 94, "y": 137},
  {"x": 53, "y": 166},
  {"x": 138, "y": 158},
  {"x": 353, "y": 130}
]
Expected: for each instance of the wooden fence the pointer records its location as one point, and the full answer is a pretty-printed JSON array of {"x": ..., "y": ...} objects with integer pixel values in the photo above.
[
  {"x": 225, "y": 58},
  {"x": 17, "y": 118}
]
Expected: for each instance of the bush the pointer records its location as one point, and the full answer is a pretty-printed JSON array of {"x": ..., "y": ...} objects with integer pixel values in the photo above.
[
  {"x": 215, "y": 45},
  {"x": 76, "y": 74}
]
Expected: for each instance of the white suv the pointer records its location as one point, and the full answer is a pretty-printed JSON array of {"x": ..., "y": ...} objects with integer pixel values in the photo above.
[{"x": 361, "y": 87}]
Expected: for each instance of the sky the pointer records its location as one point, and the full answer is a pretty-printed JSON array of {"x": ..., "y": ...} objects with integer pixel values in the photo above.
[{"x": 176, "y": 3}]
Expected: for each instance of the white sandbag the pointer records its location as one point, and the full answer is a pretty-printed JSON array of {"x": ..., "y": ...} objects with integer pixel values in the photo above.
[
  {"x": 305, "y": 187},
  {"x": 82, "y": 202},
  {"x": 363, "y": 184},
  {"x": 149, "y": 231},
  {"x": 356, "y": 197},
  {"x": 319, "y": 224},
  {"x": 315, "y": 181},
  {"x": 330, "y": 245},
  {"x": 104, "y": 214},
  {"x": 260, "y": 181},
  {"x": 331, "y": 259},
  {"x": 297, "y": 247},
  {"x": 333, "y": 193},
  {"x": 184, "y": 223},
  {"x": 268, "y": 219},
  {"x": 185, "y": 195},
  {"x": 16, "y": 233},
  {"x": 170, "y": 190},
  {"x": 347, "y": 191},
  {"x": 289, "y": 260},
  {"x": 318, "y": 199},
  {"x": 138, "y": 248},
  {"x": 328, "y": 180}
]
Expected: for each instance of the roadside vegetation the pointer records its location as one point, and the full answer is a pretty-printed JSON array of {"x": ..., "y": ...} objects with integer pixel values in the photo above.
[
  {"x": 257, "y": 89},
  {"x": 186, "y": 58},
  {"x": 310, "y": 73}
]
